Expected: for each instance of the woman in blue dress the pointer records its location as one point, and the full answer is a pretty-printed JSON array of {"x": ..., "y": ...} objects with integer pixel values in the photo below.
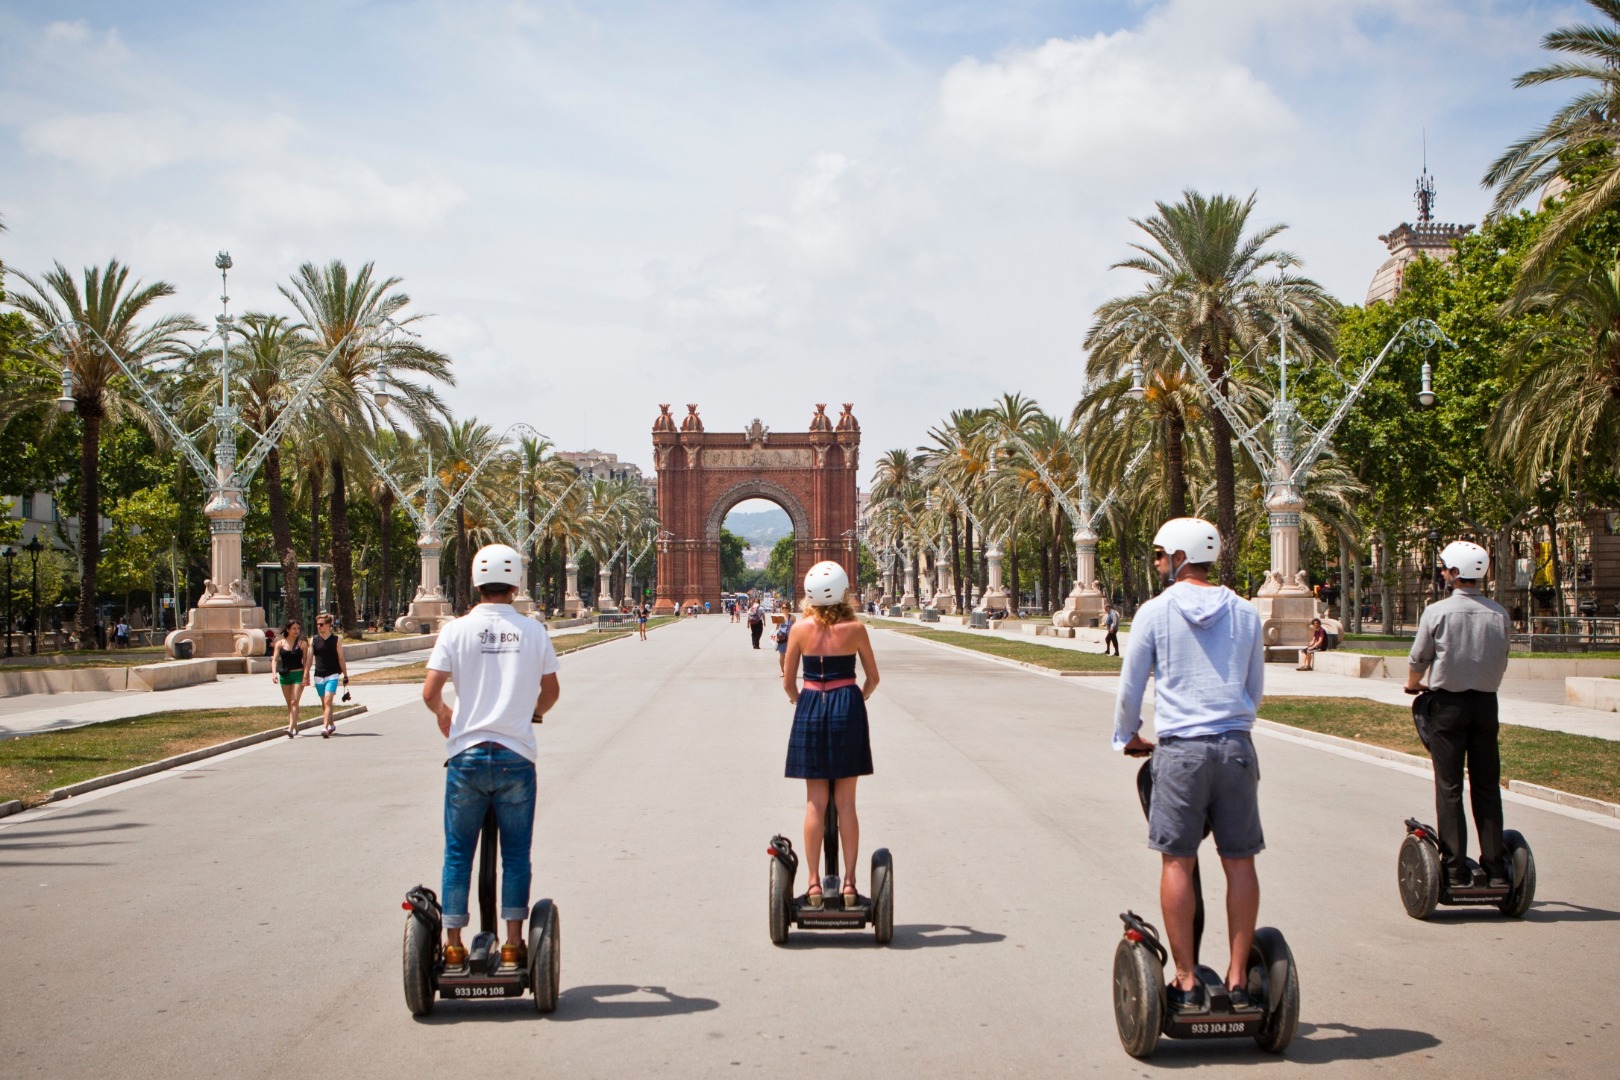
[{"x": 830, "y": 746}]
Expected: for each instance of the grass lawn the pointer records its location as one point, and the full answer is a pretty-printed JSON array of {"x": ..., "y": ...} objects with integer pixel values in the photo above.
[
  {"x": 31, "y": 765},
  {"x": 1046, "y": 656},
  {"x": 1576, "y": 763},
  {"x": 414, "y": 673}
]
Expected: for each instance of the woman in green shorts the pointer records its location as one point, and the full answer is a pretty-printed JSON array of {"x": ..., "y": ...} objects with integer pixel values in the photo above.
[{"x": 292, "y": 671}]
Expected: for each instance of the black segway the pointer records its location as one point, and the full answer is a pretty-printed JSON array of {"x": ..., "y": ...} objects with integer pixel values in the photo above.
[
  {"x": 1142, "y": 1009},
  {"x": 788, "y": 910},
  {"x": 1420, "y": 867},
  {"x": 482, "y": 976}
]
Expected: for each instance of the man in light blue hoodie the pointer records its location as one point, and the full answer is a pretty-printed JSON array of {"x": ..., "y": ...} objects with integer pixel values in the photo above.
[{"x": 1202, "y": 643}]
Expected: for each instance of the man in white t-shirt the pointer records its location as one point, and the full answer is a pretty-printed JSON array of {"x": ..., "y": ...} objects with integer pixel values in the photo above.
[{"x": 505, "y": 672}]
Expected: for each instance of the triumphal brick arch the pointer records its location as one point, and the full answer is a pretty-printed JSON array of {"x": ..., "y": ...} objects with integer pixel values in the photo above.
[{"x": 703, "y": 474}]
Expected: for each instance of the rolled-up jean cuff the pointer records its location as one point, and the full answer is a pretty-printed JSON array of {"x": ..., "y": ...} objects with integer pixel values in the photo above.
[
  {"x": 455, "y": 922},
  {"x": 514, "y": 914}
]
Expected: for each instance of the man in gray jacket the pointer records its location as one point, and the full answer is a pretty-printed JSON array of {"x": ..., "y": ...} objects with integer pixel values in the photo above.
[{"x": 1462, "y": 645}]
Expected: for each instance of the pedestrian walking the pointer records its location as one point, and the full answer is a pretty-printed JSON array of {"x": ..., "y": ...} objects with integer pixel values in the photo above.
[
  {"x": 1462, "y": 647},
  {"x": 1110, "y": 628},
  {"x": 1203, "y": 645},
  {"x": 326, "y": 649},
  {"x": 831, "y": 745},
  {"x": 756, "y": 623},
  {"x": 780, "y": 637},
  {"x": 292, "y": 670},
  {"x": 505, "y": 672},
  {"x": 641, "y": 621},
  {"x": 121, "y": 633}
]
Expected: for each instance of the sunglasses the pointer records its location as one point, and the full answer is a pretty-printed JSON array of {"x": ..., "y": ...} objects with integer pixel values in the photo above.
[{"x": 1157, "y": 555}]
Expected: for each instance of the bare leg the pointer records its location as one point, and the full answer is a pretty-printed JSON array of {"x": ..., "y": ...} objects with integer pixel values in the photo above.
[
  {"x": 1242, "y": 909},
  {"x": 327, "y": 702},
  {"x": 1178, "y": 899},
  {"x": 815, "y": 823},
  {"x": 291, "y": 694},
  {"x": 849, "y": 827}
]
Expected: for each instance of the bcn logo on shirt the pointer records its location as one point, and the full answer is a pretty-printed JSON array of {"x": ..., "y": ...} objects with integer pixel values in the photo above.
[{"x": 492, "y": 641}]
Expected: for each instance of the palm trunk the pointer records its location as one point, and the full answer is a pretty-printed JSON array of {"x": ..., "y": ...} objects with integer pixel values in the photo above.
[
  {"x": 1175, "y": 466},
  {"x": 1127, "y": 567},
  {"x": 463, "y": 563},
  {"x": 281, "y": 532},
  {"x": 386, "y": 531},
  {"x": 1386, "y": 588},
  {"x": 1225, "y": 471},
  {"x": 89, "y": 522},
  {"x": 342, "y": 553},
  {"x": 315, "y": 491}
]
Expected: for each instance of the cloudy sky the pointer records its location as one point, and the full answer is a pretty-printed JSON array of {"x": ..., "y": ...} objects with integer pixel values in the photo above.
[{"x": 911, "y": 206}]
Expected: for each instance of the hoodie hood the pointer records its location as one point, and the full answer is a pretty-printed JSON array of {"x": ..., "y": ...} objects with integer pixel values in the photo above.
[{"x": 1201, "y": 605}]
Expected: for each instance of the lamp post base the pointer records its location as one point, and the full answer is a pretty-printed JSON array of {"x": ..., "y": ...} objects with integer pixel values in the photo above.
[
  {"x": 425, "y": 616},
  {"x": 221, "y": 630},
  {"x": 1285, "y": 618},
  {"x": 1082, "y": 608}
]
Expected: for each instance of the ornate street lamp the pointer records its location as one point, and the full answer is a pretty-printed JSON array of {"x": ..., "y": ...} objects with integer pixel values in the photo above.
[
  {"x": 225, "y": 621},
  {"x": 9, "y": 554},
  {"x": 34, "y": 549},
  {"x": 1285, "y": 602}
]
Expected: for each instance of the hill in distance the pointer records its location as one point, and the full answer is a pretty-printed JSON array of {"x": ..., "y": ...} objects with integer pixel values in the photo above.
[{"x": 760, "y": 528}]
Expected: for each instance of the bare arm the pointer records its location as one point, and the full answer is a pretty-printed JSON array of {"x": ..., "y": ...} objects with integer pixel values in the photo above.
[
  {"x": 309, "y": 658},
  {"x": 550, "y": 691},
  {"x": 863, "y": 649},
  {"x": 433, "y": 697},
  {"x": 343, "y": 664},
  {"x": 790, "y": 662}
]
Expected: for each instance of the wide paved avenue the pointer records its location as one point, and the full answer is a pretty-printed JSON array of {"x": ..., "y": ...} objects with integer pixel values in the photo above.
[{"x": 242, "y": 918}]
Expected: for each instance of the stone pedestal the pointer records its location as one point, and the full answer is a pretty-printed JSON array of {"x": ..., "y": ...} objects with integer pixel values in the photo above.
[
  {"x": 572, "y": 605},
  {"x": 226, "y": 621},
  {"x": 430, "y": 608},
  {"x": 1085, "y": 600},
  {"x": 995, "y": 597},
  {"x": 604, "y": 591},
  {"x": 1284, "y": 602}
]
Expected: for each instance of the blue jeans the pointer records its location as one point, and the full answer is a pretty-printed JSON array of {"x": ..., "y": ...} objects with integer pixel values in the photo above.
[{"x": 477, "y": 778}]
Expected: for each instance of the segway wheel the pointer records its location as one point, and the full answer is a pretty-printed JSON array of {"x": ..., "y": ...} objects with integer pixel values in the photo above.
[
  {"x": 1138, "y": 998},
  {"x": 1281, "y": 984},
  {"x": 882, "y": 896},
  {"x": 781, "y": 901},
  {"x": 545, "y": 955},
  {"x": 1418, "y": 874},
  {"x": 1522, "y": 865},
  {"x": 421, "y": 949}
]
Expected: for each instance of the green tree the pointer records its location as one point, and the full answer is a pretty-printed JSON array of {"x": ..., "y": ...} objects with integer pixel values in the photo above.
[
  {"x": 107, "y": 313},
  {"x": 779, "y": 567},
  {"x": 732, "y": 568}
]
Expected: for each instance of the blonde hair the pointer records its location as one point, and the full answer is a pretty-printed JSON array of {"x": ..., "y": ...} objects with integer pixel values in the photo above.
[{"x": 830, "y": 615}]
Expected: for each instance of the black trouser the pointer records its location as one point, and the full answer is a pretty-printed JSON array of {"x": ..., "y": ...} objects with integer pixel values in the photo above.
[
  {"x": 756, "y": 629},
  {"x": 1111, "y": 641},
  {"x": 1463, "y": 726}
]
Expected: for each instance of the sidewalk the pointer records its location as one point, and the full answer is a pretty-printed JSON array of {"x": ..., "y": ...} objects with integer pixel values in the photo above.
[{"x": 1537, "y": 703}]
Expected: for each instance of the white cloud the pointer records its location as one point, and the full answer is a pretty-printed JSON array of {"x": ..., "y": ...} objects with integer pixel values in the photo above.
[
  {"x": 325, "y": 194},
  {"x": 1109, "y": 105},
  {"x": 119, "y": 144}
]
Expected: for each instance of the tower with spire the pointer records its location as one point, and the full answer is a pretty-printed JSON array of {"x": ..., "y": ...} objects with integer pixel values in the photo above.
[{"x": 1426, "y": 239}]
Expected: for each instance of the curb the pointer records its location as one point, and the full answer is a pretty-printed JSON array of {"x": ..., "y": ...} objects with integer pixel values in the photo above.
[
  {"x": 187, "y": 758},
  {"x": 13, "y": 807},
  {"x": 1518, "y": 787}
]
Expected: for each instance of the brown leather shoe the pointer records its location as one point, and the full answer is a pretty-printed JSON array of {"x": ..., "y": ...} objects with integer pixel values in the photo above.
[
  {"x": 455, "y": 955},
  {"x": 514, "y": 955}
]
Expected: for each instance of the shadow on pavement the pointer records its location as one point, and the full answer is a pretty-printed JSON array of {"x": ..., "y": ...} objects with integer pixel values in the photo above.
[
  {"x": 1560, "y": 911},
  {"x": 909, "y": 936},
  {"x": 596, "y": 1003},
  {"x": 1316, "y": 1044}
]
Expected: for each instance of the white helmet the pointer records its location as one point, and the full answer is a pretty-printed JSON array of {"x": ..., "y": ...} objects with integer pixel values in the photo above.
[
  {"x": 1194, "y": 537},
  {"x": 1469, "y": 560},
  {"x": 826, "y": 584},
  {"x": 497, "y": 564}
]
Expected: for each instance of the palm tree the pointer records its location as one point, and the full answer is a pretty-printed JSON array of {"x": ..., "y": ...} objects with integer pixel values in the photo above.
[
  {"x": 897, "y": 500},
  {"x": 1576, "y": 145},
  {"x": 1560, "y": 417},
  {"x": 1223, "y": 293},
  {"x": 344, "y": 313},
  {"x": 460, "y": 447},
  {"x": 267, "y": 373},
  {"x": 112, "y": 308}
]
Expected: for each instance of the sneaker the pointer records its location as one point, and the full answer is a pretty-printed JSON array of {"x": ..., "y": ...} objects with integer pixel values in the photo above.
[
  {"x": 1460, "y": 879},
  {"x": 1240, "y": 999},
  {"x": 1185, "y": 999},
  {"x": 514, "y": 955},
  {"x": 455, "y": 955},
  {"x": 1500, "y": 879}
]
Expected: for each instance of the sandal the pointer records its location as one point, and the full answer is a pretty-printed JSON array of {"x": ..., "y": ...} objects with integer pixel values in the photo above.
[
  {"x": 851, "y": 897},
  {"x": 812, "y": 897}
]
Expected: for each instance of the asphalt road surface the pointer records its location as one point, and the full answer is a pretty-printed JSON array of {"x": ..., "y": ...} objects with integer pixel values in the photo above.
[{"x": 242, "y": 918}]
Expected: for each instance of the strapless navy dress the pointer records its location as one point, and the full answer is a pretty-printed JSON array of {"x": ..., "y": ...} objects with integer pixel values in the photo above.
[{"x": 830, "y": 739}]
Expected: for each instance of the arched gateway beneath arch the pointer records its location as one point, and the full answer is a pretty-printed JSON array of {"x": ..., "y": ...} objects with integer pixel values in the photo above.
[{"x": 702, "y": 475}]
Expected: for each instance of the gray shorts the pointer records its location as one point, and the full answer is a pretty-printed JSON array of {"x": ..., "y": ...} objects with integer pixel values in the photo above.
[{"x": 1206, "y": 779}]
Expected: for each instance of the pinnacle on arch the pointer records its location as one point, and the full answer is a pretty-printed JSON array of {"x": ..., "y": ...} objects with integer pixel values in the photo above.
[
  {"x": 846, "y": 419},
  {"x": 691, "y": 422},
  {"x": 665, "y": 422},
  {"x": 820, "y": 421}
]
